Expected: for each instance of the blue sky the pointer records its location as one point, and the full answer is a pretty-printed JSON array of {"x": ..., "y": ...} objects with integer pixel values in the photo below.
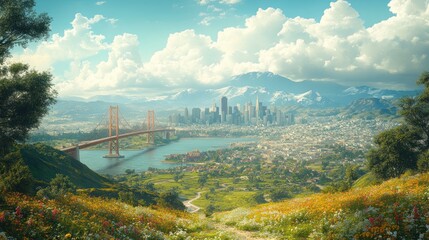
[
  {"x": 138, "y": 46},
  {"x": 153, "y": 21}
]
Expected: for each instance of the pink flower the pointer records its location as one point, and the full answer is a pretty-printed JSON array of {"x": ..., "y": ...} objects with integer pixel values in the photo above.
[
  {"x": 372, "y": 221},
  {"x": 55, "y": 213},
  {"x": 416, "y": 213},
  {"x": 18, "y": 212},
  {"x": 2, "y": 217}
]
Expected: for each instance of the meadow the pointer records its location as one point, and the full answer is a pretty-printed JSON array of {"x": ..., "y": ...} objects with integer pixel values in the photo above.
[{"x": 395, "y": 209}]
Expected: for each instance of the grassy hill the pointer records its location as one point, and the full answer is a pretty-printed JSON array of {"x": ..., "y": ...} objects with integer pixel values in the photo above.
[
  {"x": 395, "y": 209},
  {"x": 45, "y": 162}
]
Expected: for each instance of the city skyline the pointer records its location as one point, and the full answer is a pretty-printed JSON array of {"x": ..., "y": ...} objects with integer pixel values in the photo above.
[
  {"x": 148, "y": 48},
  {"x": 240, "y": 114}
]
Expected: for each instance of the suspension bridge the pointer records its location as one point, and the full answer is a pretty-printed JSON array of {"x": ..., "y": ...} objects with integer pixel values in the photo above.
[{"x": 114, "y": 135}]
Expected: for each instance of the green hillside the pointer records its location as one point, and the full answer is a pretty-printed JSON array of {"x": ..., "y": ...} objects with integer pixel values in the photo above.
[{"x": 45, "y": 162}]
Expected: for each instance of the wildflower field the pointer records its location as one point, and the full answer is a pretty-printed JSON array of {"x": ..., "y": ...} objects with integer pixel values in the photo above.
[
  {"x": 81, "y": 217},
  {"x": 396, "y": 209}
]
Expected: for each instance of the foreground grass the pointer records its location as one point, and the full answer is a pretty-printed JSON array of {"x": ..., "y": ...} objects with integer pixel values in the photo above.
[
  {"x": 396, "y": 209},
  {"x": 82, "y": 217}
]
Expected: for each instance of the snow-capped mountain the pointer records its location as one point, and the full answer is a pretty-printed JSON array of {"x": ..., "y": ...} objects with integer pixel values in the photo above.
[
  {"x": 370, "y": 105},
  {"x": 369, "y": 92},
  {"x": 309, "y": 98},
  {"x": 268, "y": 87}
]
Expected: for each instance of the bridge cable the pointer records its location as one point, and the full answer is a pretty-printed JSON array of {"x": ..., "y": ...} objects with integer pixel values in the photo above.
[{"x": 125, "y": 120}]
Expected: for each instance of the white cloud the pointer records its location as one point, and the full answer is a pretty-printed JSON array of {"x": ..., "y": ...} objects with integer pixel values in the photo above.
[
  {"x": 112, "y": 21},
  {"x": 79, "y": 42},
  {"x": 204, "y": 2},
  {"x": 186, "y": 57},
  {"x": 100, "y": 3},
  {"x": 228, "y": 2},
  {"x": 121, "y": 69},
  {"x": 206, "y": 21},
  {"x": 388, "y": 54},
  {"x": 404, "y": 8},
  {"x": 260, "y": 32}
]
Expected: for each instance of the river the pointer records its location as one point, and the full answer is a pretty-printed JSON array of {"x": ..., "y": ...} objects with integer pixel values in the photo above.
[{"x": 141, "y": 160}]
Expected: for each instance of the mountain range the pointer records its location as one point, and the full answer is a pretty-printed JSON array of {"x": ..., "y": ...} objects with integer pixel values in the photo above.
[{"x": 268, "y": 87}]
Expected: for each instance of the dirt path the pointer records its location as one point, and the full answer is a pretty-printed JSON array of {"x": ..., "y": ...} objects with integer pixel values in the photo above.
[
  {"x": 191, "y": 207},
  {"x": 237, "y": 234}
]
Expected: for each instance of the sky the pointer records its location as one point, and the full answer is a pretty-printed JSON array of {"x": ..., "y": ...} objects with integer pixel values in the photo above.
[{"x": 136, "y": 47}]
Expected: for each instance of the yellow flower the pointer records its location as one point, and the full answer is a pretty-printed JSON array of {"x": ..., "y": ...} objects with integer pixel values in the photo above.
[{"x": 68, "y": 235}]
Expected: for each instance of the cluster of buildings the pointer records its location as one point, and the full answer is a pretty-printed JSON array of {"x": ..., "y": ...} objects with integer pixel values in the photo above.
[{"x": 247, "y": 114}]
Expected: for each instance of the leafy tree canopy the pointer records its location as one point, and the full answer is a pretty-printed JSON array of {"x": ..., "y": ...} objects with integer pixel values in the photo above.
[
  {"x": 25, "y": 94},
  {"x": 20, "y": 24},
  {"x": 401, "y": 148}
]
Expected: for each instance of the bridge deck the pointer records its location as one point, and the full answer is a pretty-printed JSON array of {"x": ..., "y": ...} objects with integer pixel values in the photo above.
[{"x": 107, "y": 139}]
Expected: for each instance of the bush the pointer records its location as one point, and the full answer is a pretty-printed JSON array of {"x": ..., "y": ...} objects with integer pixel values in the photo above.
[
  {"x": 209, "y": 210},
  {"x": 58, "y": 187},
  {"x": 423, "y": 162},
  {"x": 16, "y": 176},
  {"x": 128, "y": 197},
  {"x": 170, "y": 199},
  {"x": 259, "y": 198},
  {"x": 279, "y": 194}
]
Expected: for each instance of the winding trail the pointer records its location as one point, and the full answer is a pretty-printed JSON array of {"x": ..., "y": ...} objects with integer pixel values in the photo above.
[
  {"x": 238, "y": 234},
  {"x": 191, "y": 207}
]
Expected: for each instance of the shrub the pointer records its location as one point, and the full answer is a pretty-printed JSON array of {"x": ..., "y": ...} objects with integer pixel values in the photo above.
[
  {"x": 423, "y": 162},
  {"x": 59, "y": 186},
  {"x": 128, "y": 197},
  {"x": 170, "y": 199},
  {"x": 279, "y": 194},
  {"x": 16, "y": 176}
]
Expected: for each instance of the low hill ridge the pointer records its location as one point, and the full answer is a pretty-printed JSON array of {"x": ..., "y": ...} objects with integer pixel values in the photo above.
[{"x": 46, "y": 162}]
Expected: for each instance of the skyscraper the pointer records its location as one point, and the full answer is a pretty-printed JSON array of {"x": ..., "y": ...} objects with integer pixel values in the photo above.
[
  {"x": 196, "y": 112},
  {"x": 257, "y": 113},
  {"x": 224, "y": 108},
  {"x": 186, "y": 115}
]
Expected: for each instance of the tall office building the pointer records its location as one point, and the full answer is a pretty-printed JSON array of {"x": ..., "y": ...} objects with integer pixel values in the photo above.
[
  {"x": 257, "y": 113},
  {"x": 223, "y": 108},
  {"x": 186, "y": 115},
  {"x": 196, "y": 112}
]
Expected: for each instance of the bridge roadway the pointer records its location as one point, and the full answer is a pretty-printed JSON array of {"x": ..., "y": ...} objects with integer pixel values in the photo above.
[{"x": 74, "y": 150}]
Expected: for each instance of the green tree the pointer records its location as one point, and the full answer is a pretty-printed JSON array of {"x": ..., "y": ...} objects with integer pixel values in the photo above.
[
  {"x": 395, "y": 152},
  {"x": 416, "y": 112},
  {"x": 259, "y": 197},
  {"x": 210, "y": 210},
  {"x": 279, "y": 194},
  {"x": 423, "y": 162},
  {"x": 25, "y": 97},
  {"x": 403, "y": 147},
  {"x": 24, "y": 94},
  {"x": 170, "y": 199},
  {"x": 202, "y": 179},
  {"x": 20, "y": 24}
]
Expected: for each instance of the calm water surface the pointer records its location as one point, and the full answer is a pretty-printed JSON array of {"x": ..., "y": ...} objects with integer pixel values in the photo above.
[{"x": 141, "y": 160}]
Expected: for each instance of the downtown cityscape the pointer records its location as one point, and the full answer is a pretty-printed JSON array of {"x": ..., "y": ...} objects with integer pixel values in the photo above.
[{"x": 246, "y": 114}]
